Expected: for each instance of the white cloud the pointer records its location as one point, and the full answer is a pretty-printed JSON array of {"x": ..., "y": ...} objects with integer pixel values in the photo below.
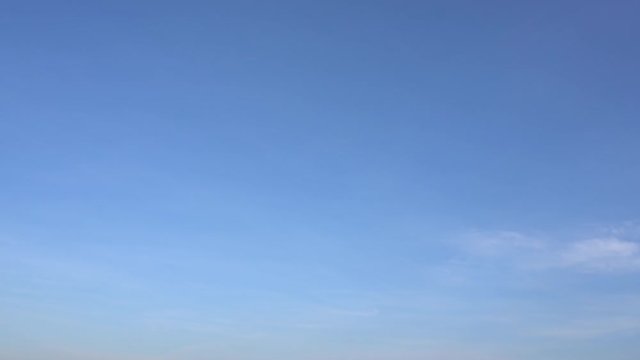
[
  {"x": 602, "y": 254},
  {"x": 615, "y": 251}
]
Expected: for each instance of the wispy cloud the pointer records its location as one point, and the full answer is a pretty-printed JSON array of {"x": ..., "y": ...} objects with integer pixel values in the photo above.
[
  {"x": 592, "y": 328},
  {"x": 499, "y": 243},
  {"x": 363, "y": 313},
  {"x": 615, "y": 251},
  {"x": 602, "y": 254},
  {"x": 49, "y": 266}
]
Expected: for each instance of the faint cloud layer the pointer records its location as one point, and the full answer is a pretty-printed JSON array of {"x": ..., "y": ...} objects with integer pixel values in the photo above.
[
  {"x": 499, "y": 243},
  {"x": 607, "y": 254},
  {"x": 513, "y": 261},
  {"x": 593, "y": 328},
  {"x": 616, "y": 252}
]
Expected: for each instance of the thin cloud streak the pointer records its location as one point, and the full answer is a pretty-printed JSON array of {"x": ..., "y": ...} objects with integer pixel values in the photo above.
[
  {"x": 592, "y": 328},
  {"x": 616, "y": 253}
]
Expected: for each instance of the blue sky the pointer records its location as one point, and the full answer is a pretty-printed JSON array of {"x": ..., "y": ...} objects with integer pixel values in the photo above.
[{"x": 319, "y": 180}]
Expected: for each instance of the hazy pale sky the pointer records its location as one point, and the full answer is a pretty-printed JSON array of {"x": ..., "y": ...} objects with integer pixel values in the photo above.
[{"x": 319, "y": 180}]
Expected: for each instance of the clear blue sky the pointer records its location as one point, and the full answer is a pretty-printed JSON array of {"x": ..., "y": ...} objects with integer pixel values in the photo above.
[{"x": 319, "y": 180}]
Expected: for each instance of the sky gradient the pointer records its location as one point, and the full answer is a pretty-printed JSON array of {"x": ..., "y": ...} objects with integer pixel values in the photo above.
[{"x": 319, "y": 180}]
